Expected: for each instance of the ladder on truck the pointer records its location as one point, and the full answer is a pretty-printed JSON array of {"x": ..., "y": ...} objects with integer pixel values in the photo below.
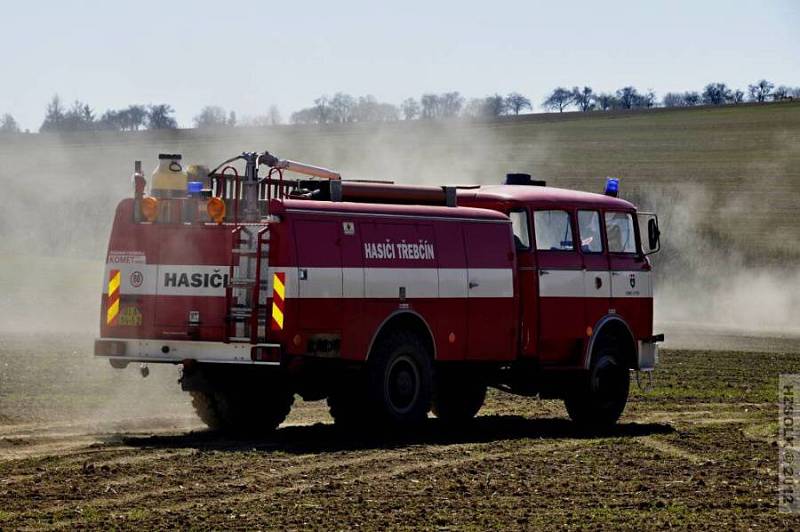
[{"x": 246, "y": 295}]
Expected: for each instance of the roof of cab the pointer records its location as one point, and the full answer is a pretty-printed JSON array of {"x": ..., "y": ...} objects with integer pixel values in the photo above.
[{"x": 539, "y": 195}]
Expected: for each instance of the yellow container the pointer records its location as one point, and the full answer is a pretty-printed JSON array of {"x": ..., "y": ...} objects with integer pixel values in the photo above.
[{"x": 169, "y": 179}]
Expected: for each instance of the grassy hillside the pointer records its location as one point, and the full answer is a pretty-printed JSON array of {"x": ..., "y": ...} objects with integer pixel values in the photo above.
[{"x": 731, "y": 172}]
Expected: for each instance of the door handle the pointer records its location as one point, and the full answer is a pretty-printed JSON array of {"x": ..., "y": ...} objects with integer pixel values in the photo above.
[
  {"x": 598, "y": 283},
  {"x": 303, "y": 274},
  {"x": 544, "y": 272},
  {"x": 474, "y": 284}
]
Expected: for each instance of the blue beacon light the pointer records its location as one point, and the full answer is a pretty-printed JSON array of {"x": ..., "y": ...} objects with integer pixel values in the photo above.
[{"x": 612, "y": 187}]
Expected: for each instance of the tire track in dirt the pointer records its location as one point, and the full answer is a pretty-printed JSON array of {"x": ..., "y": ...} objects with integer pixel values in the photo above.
[
  {"x": 384, "y": 475},
  {"x": 409, "y": 459},
  {"x": 303, "y": 465},
  {"x": 672, "y": 450}
]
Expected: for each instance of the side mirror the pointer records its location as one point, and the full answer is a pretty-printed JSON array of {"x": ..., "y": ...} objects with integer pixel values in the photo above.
[
  {"x": 653, "y": 235},
  {"x": 653, "y": 242}
]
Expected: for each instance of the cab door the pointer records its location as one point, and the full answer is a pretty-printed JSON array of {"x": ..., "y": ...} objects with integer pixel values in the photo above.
[
  {"x": 596, "y": 274},
  {"x": 631, "y": 283},
  {"x": 561, "y": 287},
  {"x": 528, "y": 282}
]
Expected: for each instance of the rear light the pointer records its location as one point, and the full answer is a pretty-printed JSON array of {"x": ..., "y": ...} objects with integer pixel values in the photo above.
[
  {"x": 149, "y": 207},
  {"x": 216, "y": 209},
  {"x": 109, "y": 348},
  {"x": 266, "y": 353}
]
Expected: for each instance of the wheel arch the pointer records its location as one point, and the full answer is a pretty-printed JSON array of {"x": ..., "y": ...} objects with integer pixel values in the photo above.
[
  {"x": 612, "y": 325},
  {"x": 405, "y": 319}
]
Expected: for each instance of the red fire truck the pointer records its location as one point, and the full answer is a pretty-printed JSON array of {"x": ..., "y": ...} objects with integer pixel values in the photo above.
[{"x": 387, "y": 300}]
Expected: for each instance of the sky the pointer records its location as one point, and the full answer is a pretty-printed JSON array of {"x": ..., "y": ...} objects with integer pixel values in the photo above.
[{"x": 246, "y": 55}]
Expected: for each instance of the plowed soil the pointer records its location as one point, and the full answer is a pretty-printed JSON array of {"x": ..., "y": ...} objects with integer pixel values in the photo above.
[{"x": 82, "y": 445}]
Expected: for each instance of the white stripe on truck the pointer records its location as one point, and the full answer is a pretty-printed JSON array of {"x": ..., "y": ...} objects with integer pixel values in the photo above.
[
  {"x": 381, "y": 283},
  {"x": 370, "y": 283}
]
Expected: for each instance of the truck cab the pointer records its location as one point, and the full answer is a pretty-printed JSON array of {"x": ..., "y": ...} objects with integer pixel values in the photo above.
[{"x": 580, "y": 266}]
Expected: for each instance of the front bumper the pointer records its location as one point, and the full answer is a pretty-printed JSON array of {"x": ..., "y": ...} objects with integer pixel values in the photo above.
[
  {"x": 178, "y": 351},
  {"x": 648, "y": 353}
]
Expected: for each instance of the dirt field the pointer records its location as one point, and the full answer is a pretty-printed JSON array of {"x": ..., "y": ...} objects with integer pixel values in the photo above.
[{"x": 84, "y": 445}]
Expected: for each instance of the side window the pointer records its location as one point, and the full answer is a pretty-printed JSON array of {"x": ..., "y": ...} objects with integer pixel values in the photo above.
[
  {"x": 553, "y": 231},
  {"x": 589, "y": 231},
  {"x": 519, "y": 224},
  {"x": 619, "y": 229}
]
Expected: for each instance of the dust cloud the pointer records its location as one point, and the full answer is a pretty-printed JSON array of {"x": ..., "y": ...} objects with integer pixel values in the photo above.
[
  {"x": 708, "y": 280},
  {"x": 61, "y": 192}
]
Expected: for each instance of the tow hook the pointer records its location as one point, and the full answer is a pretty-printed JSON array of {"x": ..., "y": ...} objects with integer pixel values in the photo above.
[
  {"x": 648, "y": 387},
  {"x": 144, "y": 370}
]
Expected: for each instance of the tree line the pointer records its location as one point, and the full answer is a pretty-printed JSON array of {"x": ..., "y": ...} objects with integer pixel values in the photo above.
[
  {"x": 585, "y": 99},
  {"x": 343, "y": 108}
]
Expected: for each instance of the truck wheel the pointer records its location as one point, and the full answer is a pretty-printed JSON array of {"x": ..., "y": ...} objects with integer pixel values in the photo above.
[
  {"x": 247, "y": 411},
  {"x": 346, "y": 402},
  {"x": 399, "y": 382},
  {"x": 457, "y": 397},
  {"x": 598, "y": 401}
]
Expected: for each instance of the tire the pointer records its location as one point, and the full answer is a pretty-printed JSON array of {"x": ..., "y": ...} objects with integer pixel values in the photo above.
[
  {"x": 249, "y": 411},
  {"x": 346, "y": 403},
  {"x": 457, "y": 397},
  {"x": 597, "y": 402},
  {"x": 399, "y": 380}
]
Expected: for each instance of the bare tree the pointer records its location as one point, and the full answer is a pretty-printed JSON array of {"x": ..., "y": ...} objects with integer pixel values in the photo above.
[
  {"x": 583, "y": 98},
  {"x": 322, "y": 110},
  {"x": 606, "y": 101},
  {"x": 489, "y": 107},
  {"x": 629, "y": 97},
  {"x": 560, "y": 99},
  {"x": 8, "y": 124},
  {"x": 310, "y": 115},
  {"x": 496, "y": 105},
  {"x": 369, "y": 109},
  {"x": 158, "y": 117},
  {"x": 782, "y": 93},
  {"x": 451, "y": 104},
  {"x": 737, "y": 96},
  {"x": 674, "y": 99},
  {"x": 136, "y": 116},
  {"x": 516, "y": 102},
  {"x": 431, "y": 106},
  {"x": 692, "y": 98},
  {"x": 54, "y": 116},
  {"x": 342, "y": 107},
  {"x": 681, "y": 99},
  {"x": 211, "y": 116},
  {"x": 716, "y": 94},
  {"x": 410, "y": 109},
  {"x": 474, "y": 108},
  {"x": 760, "y": 91}
]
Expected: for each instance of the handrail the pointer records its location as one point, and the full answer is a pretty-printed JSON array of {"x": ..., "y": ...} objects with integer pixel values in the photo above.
[
  {"x": 256, "y": 301},
  {"x": 236, "y": 189}
]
